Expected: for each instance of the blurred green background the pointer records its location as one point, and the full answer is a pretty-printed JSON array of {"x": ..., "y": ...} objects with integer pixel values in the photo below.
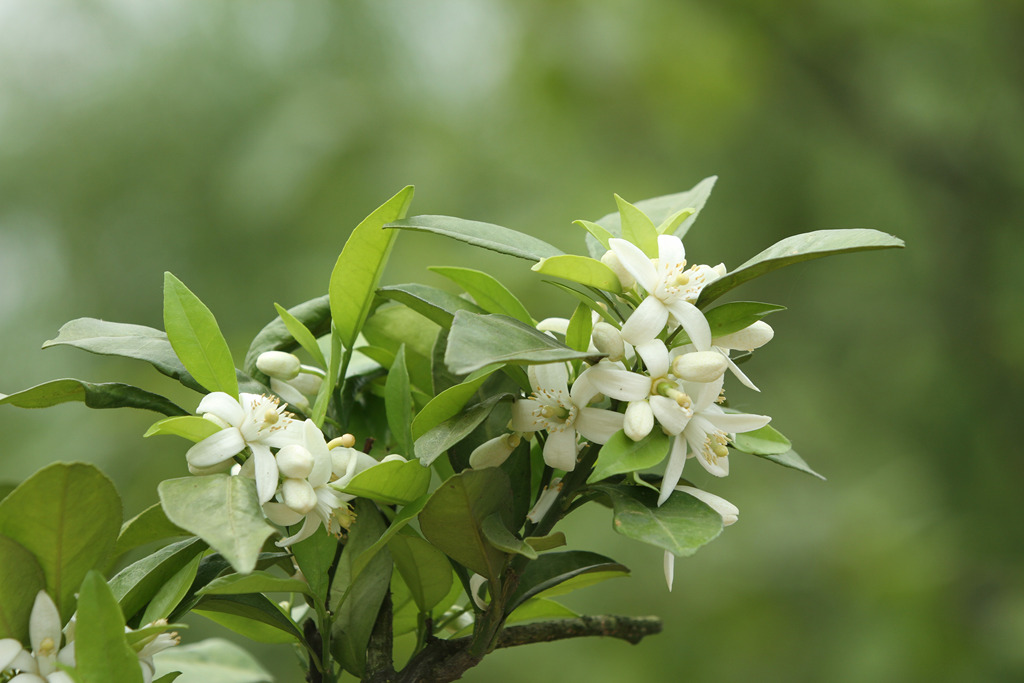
[{"x": 236, "y": 144}]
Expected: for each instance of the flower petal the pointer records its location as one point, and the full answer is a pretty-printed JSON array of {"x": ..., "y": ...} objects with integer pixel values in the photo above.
[
  {"x": 719, "y": 467},
  {"x": 560, "y": 450},
  {"x": 598, "y": 425},
  {"x": 265, "y": 470},
  {"x": 311, "y": 524},
  {"x": 559, "y": 325},
  {"x": 634, "y": 260},
  {"x": 647, "y": 322},
  {"x": 740, "y": 375},
  {"x": 216, "y": 448},
  {"x": 524, "y": 416},
  {"x": 279, "y": 513},
  {"x": 737, "y": 423},
  {"x": 671, "y": 252},
  {"x": 9, "y": 649},
  {"x": 552, "y": 377},
  {"x": 616, "y": 382},
  {"x": 583, "y": 389},
  {"x": 670, "y": 567},
  {"x": 655, "y": 356},
  {"x": 704, "y": 395},
  {"x": 729, "y": 512},
  {"x": 224, "y": 406},
  {"x": 674, "y": 469},
  {"x": 44, "y": 623},
  {"x": 670, "y": 414},
  {"x": 317, "y": 445},
  {"x": 693, "y": 322}
]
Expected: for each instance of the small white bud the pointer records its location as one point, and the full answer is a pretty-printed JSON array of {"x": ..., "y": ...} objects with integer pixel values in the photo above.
[
  {"x": 749, "y": 338},
  {"x": 608, "y": 340},
  {"x": 278, "y": 364},
  {"x": 638, "y": 420},
  {"x": 613, "y": 262},
  {"x": 729, "y": 512},
  {"x": 699, "y": 366},
  {"x": 299, "y": 495},
  {"x": 493, "y": 452},
  {"x": 294, "y": 462}
]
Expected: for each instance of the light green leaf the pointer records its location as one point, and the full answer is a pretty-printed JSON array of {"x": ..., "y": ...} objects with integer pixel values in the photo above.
[
  {"x": 432, "y": 303},
  {"x": 315, "y": 555},
  {"x": 764, "y": 441},
  {"x": 398, "y": 403},
  {"x": 737, "y": 315},
  {"x": 540, "y": 608},
  {"x": 106, "y": 395},
  {"x": 101, "y": 652},
  {"x": 323, "y": 396},
  {"x": 581, "y": 269},
  {"x": 486, "y": 235},
  {"x": 358, "y": 269},
  {"x": 192, "y": 427},
  {"x": 149, "y": 525},
  {"x": 211, "y": 661},
  {"x": 488, "y": 293},
  {"x": 136, "y": 584},
  {"x": 68, "y": 517},
  {"x": 393, "y": 482},
  {"x": 302, "y": 335},
  {"x": 256, "y": 582},
  {"x": 552, "y": 569},
  {"x": 168, "y": 678},
  {"x": 498, "y": 535},
  {"x": 581, "y": 326},
  {"x": 793, "y": 461},
  {"x": 477, "y": 341},
  {"x": 392, "y": 325},
  {"x": 314, "y": 314},
  {"x": 669, "y": 225},
  {"x": 196, "y": 338},
  {"x": 549, "y": 542},
  {"x": 425, "y": 569},
  {"x": 439, "y": 439},
  {"x": 171, "y": 593},
  {"x": 452, "y": 519},
  {"x": 599, "y": 233},
  {"x": 797, "y": 248},
  {"x": 20, "y": 580},
  {"x": 250, "y": 615},
  {"x": 637, "y": 227},
  {"x": 681, "y": 525},
  {"x": 448, "y": 403},
  {"x": 621, "y": 454},
  {"x": 222, "y": 510}
]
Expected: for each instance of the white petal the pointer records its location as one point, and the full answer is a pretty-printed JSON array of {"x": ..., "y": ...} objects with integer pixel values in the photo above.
[
  {"x": 265, "y": 469},
  {"x": 279, "y": 513},
  {"x": 598, "y": 425},
  {"x": 749, "y": 338},
  {"x": 646, "y": 322},
  {"x": 224, "y": 406},
  {"x": 311, "y": 524},
  {"x": 719, "y": 467},
  {"x": 560, "y": 450},
  {"x": 550, "y": 376},
  {"x": 704, "y": 395},
  {"x": 693, "y": 322},
  {"x": 670, "y": 414},
  {"x": 285, "y": 432},
  {"x": 524, "y": 416},
  {"x": 317, "y": 445},
  {"x": 59, "y": 677},
  {"x": 670, "y": 566},
  {"x": 616, "y": 382},
  {"x": 737, "y": 423},
  {"x": 44, "y": 622},
  {"x": 289, "y": 394},
  {"x": 674, "y": 469},
  {"x": 671, "y": 252},
  {"x": 655, "y": 356},
  {"x": 216, "y": 448},
  {"x": 729, "y": 512},
  {"x": 634, "y": 260},
  {"x": 744, "y": 380},
  {"x": 560, "y": 325},
  {"x": 9, "y": 649},
  {"x": 28, "y": 678}
]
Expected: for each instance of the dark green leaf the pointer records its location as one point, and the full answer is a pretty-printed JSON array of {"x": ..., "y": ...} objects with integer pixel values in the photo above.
[
  {"x": 432, "y": 303},
  {"x": 498, "y": 535},
  {"x": 681, "y": 525},
  {"x": 425, "y": 569},
  {"x": 20, "y": 580},
  {"x": 589, "y": 301},
  {"x": 453, "y": 430},
  {"x": 447, "y": 403},
  {"x": 68, "y": 517},
  {"x": 793, "y": 461},
  {"x": 136, "y": 584},
  {"x": 240, "y": 609},
  {"x": 314, "y": 556},
  {"x": 106, "y": 395},
  {"x": 551, "y": 569},
  {"x": 622, "y": 454},
  {"x": 549, "y": 542},
  {"x": 171, "y": 593},
  {"x": 488, "y": 293},
  {"x": 256, "y": 582},
  {"x": 101, "y": 652},
  {"x": 392, "y": 325},
  {"x": 398, "y": 403},
  {"x": 797, "y": 248},
  {"x": 486, "y": 235},
  {"x": 196, "y": 338}
]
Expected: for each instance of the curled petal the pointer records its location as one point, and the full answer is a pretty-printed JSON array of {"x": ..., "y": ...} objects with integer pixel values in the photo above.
[
  {"x": 729, "y": 512},
  {"x": 224, "y": 406},
  {"x": 265, "y": 471},
  {"x": 598, "y": 425},
  {"x": 317, "y": 445},
  {"x": 674, "y": 470},
  {"x": 311, "y": 524},
  {"x": 560, "y": 325},
  {"x": 670, "y": 414},
  {"x": 279, "y": 513},
  {"x": 583, "y": 389},
  {"x": 737, "y": 423},
  {"x": 647, "y": 322},
  {"x": 216, "y": 448},
  {"x": 636, "y": 262},
  {"x": 693, "y": 322},
  {"x": 655, "y": 356},
  {"x": 560, "y": 450},
  {"x": 615, "y": 382},
  {"x": 740, "y": 375}
]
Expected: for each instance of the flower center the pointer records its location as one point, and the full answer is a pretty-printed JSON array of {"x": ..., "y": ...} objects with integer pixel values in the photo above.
[
  {"x": 715, "y": 447},
  {"x": 47, "y": 647}
]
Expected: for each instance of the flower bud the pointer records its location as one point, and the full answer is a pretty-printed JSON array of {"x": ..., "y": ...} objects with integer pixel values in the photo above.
[
  {"x": 608, "y": 340},
  {"x": 729, "y": 512},
  {"x": 493, "y": 452},
  {"x": 639, "y": 420},
  {"x": 278, "y": 364},
  {"x": 307, "y": 383},
  {"x": 347, "y": 463},
  {"x": 747, "y": 339},
  {"x": 699, "y": 366},
  {"x": 294, "y": 462},
  {"x": 613, "y": 262},
  {"x": 298, "y": 495}
]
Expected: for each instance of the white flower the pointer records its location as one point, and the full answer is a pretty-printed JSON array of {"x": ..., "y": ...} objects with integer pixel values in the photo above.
[
  {"x": 671, "y": 291},
  {"x": 151, "y": 646},
  {"x": 39, "y": 665},
  {"x": 626, "y": 279},
  {"x": 493, "y": 452},
  {"x": 729, "y": 513},
  {"x": 562, "y": 413},
  {"x": 258, "y": 422},
  {"x": 749, "y": 338}
]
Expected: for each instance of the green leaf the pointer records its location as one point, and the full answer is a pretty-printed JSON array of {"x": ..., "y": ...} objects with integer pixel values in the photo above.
[
  {"x": 323, "y": 396},
  {"x": 20, "y": 580},
  {"x": 432, "y": 303},
  {"x": 256, "y": 582},
  {"x": 737, "y": 315},
  {"x": 169, "y": 678},
  {"x": 477, "y": 341},
  {"x": 68, "y": 517},
  {"x": 581, "y": 326},
  {"x": 302, "y": 335},
  {"x": 599, "y": 233},
  {"x": 486, "y": 235},
  {"x": 453, "y": 430},
  {"x": 393, "y": 482},
  {"x": 581, "y": 269},
  {"x": 101, "y": 652},
  {"x": 764, "y": 441},
  {"x": 621, "y": 454},
  {"x": 637, "y": 227},
  {"x": 398, "y": 402},
  {"x": 358, "y": 269},
  {"x": 797, "y": 248},
  {"x": 407, "y": 615},
  {"x": 195, "y": 428},
  {"x": 669, "y": 225},
  {"x": 452, "y": 519},
  {"x": 448, "y": 403},
  {"x": 250, "y": 615},
  {"x": 552, "y": 569},
  {"x": 149, "y": 525},
  {"x": 540, "y": 608},
  {"x": 588, "y": 301},
  {"x": 171, "y": 593},
  {"x": 214, "y": 660},
  {"x": 222, "y": 510},
  {"x": 392, "y": 325},
  {"x": 356, "y": 599},
  {"x": 498, "y": 535},
  {"x": 425, "y": 569},
  {"x": 315, "y": 555},
  {"x": 489, "y": 294},
  {"x": 136, "y": 584},
  {"x": 681, "y": 525},
  {"x": 549, "y": 542},
  {"x": 793, "y": 461},
  {"x": 196, "y": 338},
  {"x": 106, "y": 395},
  {"x": 314, "y": 314}
]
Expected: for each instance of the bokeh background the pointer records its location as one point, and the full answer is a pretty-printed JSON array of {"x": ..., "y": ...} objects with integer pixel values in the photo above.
[{"x": 236, "y": 144}]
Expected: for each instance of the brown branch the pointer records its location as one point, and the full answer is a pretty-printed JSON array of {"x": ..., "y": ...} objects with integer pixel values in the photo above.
[{"x": 380, "y": 649}]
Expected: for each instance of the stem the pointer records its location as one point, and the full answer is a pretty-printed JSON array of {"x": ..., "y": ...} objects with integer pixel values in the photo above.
[{"x": 380, "y": 649}]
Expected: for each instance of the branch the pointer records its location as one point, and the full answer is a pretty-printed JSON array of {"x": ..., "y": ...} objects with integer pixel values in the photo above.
[
  {"x": 379, "y": 651},
  {"x": 630, "y": 629}
]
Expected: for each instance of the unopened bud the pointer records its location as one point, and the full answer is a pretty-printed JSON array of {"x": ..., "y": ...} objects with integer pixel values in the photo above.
[
  {"x": 608, "y": 340},
  {"x": 638, "y": 420},
  {"x": 294, "y": 462},
  {"x": 493, "y": 452},
  {"x": 278, "y": 364},
  {"x": 298, "y": 495},
  {"x": 749, "y": 338},
  {"x": 699, "y": 366},
  {"x": 612, "y": 261}
]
